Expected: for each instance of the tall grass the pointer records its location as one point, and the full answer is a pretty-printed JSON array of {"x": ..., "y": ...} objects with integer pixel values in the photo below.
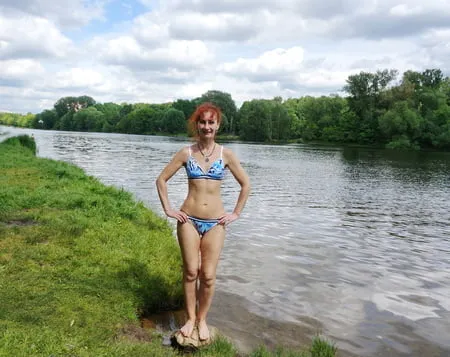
[{"x": 80, "y": 262}]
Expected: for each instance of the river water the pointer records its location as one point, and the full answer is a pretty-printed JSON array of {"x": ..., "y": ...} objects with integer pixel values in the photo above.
[{"x": 352, "y": 243}]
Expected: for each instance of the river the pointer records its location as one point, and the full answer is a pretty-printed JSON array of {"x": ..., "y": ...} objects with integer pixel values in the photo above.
[{"x": 352, "y": 243}]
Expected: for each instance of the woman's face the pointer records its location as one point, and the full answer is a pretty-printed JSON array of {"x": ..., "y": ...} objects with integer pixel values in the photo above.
[{"x": 208, "y": 125}]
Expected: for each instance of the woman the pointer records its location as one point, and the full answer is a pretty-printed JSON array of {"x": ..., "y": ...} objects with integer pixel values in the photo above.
[{"x": 202, "y": 217}]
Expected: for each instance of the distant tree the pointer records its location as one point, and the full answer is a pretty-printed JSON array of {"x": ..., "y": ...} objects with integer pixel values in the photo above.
[
  {"x": 186, "y": 106},
  {"x": 401, "y": 122},
  {"x": 255, "y": 120},
  {"x": 173, "y": 121},
  {"x": 293, "y": 108},
  {"x": 83, "y": 101},
  {"x": 432, "y": 78},
  {"x": 111, "y": 113},
  {"x": 366, "y": 100},
  {"x": 88, "y": 119},
  {"x": 73, "y": 104},
  {"x": 413, "y": 77},
  {"x": 66, "y": 122},
  {"x": 125, "y": 110},
  {"x": 63, "y": 105},
  {"x": 143, "y": 119},
  {"x": 445, "y": 88},
  {"x": 135, "y": 122},
  {"x": 281, "y": 120},
  {"x": 15, "y": 119},
  {"x": 45, "y": 120}
]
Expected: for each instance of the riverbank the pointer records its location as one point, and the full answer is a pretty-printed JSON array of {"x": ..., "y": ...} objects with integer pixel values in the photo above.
[{"x": 81, "y": 262}]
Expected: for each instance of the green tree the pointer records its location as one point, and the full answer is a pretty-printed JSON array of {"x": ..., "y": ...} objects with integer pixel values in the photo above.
[
  {"x": 173, "y": 121},
  {"x": 281, "y": 120},
  {"x": 88, "y": 119},
  {"x": 255, "y": 120},
  {"x": 73, "y": 104},
  {"x": 45, "y": 120},
  {"x": 143, "y": 119},
  {"x": 186, "y": 106},
  {"x": 111, "y": 113},
  {"x": 66, "y": 122},
  {"x": 432, "y": 78},
  {"x": 366, "y": 102},
  {"x": 401, "y": 124},
  {"x": 445, "y": 89}
]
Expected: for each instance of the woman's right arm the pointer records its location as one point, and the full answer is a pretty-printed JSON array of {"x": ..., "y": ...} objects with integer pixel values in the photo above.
[{"x": 161, "y": 184}]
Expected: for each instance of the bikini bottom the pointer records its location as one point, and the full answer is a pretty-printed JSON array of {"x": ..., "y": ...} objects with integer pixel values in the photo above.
[{"x": 203, "y": 225}]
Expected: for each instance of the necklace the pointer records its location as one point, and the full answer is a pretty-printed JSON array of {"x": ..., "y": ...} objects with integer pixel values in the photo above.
[{"x": 206, "y": 156}]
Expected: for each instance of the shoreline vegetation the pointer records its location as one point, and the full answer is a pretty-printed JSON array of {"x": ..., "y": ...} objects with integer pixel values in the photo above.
[
  {"x": 81, "y": 263},
  {"x": 382, "y": 109}
]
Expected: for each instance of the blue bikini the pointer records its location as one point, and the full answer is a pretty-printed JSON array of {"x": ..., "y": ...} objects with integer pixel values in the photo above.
[
  {"x": 215, "y": 172},
  {"x": 195, "y": 171},
  {"x": 203, "y": 225}
]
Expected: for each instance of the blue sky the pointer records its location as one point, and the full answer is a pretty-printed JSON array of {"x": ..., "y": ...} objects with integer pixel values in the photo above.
[{"x": 158, "y": 51}]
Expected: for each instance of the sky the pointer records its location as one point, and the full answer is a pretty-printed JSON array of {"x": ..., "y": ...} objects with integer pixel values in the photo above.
[{"x": 159, "y": 51}]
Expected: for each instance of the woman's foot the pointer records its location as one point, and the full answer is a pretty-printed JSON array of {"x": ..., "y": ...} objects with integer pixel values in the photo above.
[
  {"x": 203, "y": 331},
  {"x": 187, "y": 329}
]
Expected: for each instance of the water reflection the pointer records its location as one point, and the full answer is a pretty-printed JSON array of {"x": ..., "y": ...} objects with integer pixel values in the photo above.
[{"x": 355, "y": 240}]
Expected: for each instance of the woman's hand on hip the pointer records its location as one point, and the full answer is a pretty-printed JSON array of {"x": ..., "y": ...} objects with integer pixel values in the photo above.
[
  {"x": 180, "y": 216},
  {"x": 228, "y": 218}
]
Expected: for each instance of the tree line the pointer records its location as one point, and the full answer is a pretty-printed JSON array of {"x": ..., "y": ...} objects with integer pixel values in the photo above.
[{"x": 411, "y": 112}]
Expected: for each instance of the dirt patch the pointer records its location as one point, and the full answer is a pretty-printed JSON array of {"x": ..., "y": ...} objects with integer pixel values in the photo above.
[
  {"x": 134, "y": 333},
  {"x": 20, "y": 223}
]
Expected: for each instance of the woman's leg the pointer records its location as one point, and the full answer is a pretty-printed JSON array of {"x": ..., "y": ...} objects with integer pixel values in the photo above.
[
  {"x": 210, "y": 246},
  {"x": 189, "y": 241}
]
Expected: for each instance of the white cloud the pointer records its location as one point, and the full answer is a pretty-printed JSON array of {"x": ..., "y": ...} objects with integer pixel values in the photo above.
[
  {"x": 78, "y": 78},
  {"x": 271, "y": 65},
  {"x": 390, "y": 19},
  {"x": 18, "y": 72},
  {"x": 173, "y": 54},
  {"x": 181, "y": 48},
  {"x": 65, "y": 13},
  {"x": 31, "y": 37},
  {"x": 217, "y": 27},
  {"x": 405, "y": 10},
  {"x": 224, "y": 6},
  {"x": 150, "y": 29}
]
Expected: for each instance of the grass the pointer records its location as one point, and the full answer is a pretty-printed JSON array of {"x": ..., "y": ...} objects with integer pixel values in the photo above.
[{"x": 80, "y": 262}]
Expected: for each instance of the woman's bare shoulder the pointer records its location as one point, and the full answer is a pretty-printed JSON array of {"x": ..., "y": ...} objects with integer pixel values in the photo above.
[
  {"x": 227, "y": 151},
  {"x": 185, "y": 150},
  {"x": 228, "y": 154},
  {"x": 182, "y": 154}
]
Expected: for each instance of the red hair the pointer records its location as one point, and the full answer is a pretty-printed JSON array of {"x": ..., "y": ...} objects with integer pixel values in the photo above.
[{"x": 198, "y": 114}]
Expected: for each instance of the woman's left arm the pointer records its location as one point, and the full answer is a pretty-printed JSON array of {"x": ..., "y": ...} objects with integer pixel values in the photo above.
[{"x": 242, "y": 178}]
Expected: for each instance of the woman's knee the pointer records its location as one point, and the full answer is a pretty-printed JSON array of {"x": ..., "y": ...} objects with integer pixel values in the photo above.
[
  {"x": 207, "y": 277},
  {"x": 191, "y": 274}
]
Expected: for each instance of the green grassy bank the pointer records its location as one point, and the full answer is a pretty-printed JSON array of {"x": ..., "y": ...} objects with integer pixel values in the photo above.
[{"x": 80, "y": 262}]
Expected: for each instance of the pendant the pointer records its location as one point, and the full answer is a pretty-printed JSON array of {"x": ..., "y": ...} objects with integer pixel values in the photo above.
[{"x": 206, "y": 159}]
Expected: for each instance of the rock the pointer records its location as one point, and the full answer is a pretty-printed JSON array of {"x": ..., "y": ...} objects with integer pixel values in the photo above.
[{"x": 192, "y": 342}]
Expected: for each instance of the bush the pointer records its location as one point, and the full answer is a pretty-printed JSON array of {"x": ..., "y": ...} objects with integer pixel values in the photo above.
[
  {"x": 402, "y": 142},
  {"x": 23, "y": 140}
]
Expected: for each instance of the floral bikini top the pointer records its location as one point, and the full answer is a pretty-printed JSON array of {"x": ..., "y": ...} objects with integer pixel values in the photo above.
[{"x": 195, "y": 171}]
